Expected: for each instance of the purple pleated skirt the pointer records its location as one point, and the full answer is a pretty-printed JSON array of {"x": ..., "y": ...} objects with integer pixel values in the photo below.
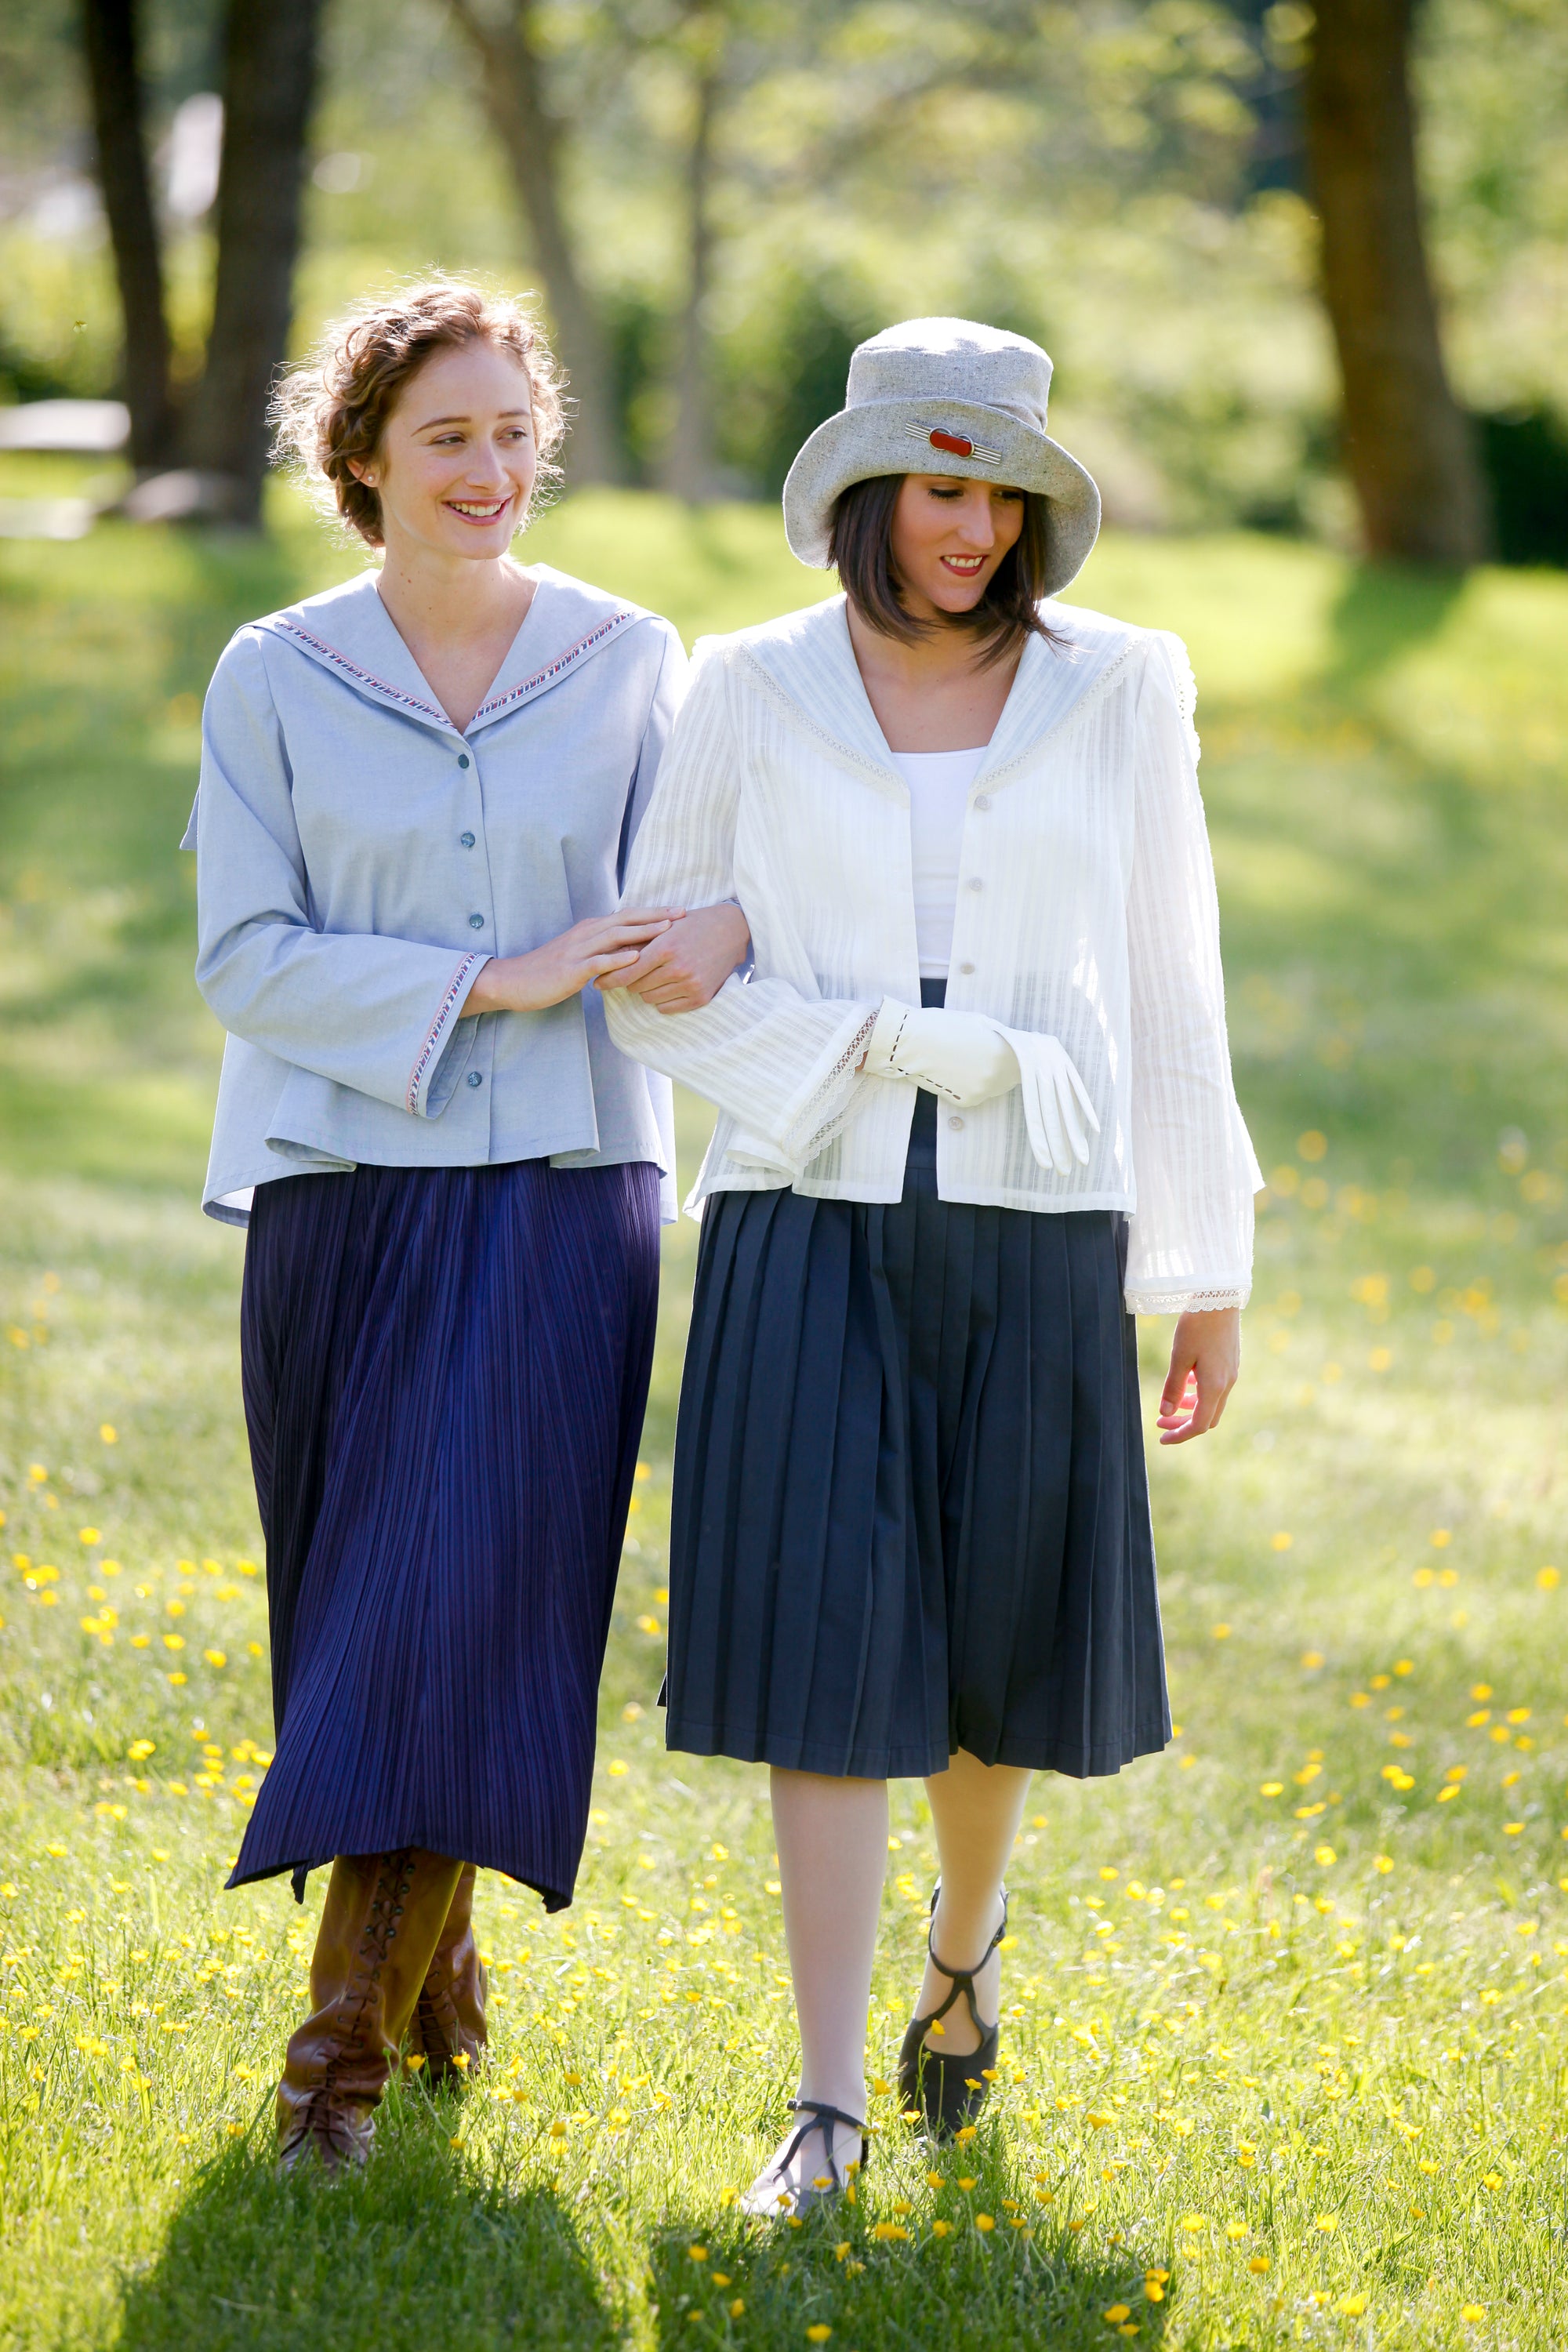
[{"x": 445, "y": 1373}]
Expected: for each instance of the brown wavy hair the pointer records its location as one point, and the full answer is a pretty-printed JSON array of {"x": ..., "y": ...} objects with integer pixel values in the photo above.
[
  {"x": 329, "y": 415},
  {"x": 861, "y": 549}
]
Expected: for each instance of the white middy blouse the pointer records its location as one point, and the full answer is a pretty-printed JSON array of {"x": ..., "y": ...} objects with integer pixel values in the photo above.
[{"x": 1086, "y": 911}]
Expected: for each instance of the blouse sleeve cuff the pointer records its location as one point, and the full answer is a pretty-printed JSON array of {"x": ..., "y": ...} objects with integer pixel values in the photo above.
[
  {"x": 438, "y": 1063},
  {"x": 1186, "y": 1301}
]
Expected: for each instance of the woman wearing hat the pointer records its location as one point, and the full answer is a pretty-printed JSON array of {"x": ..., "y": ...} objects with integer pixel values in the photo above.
[{"x": 975, "y": 1113}]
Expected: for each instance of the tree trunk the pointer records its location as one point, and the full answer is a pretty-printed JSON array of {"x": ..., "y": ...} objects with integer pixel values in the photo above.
[
  {"x": 1406, "y": 443},
  {"x": 512, "y": 88},
  {"x": 690, "y": 471},
  {"x": 109, "y": 37},
  {"x": 269, "y": 82}
]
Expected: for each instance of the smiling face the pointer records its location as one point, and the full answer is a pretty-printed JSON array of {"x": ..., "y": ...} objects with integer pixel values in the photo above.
[
  {"x": 949, "y": 535},
  {"x": 457, "y": 460}
]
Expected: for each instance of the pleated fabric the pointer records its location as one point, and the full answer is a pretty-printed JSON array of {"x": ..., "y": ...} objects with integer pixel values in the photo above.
[
  {"x": 910, "y": 1511},
  {"x": 444, "y": 1373}
]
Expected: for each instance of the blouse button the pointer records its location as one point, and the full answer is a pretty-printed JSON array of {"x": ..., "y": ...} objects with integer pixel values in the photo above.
[
  {"x": 955, "y": 1122},
  {"x": 966, "y": 967},
  {"x": 467, "y": 839},
  {"x": 476, "y": 923},
  {"x": 462, "y": 759},
  {"x": 976, "y": 883},
  {"x": 983, "y": 799},
  {"x": 475, "y": 1078}
]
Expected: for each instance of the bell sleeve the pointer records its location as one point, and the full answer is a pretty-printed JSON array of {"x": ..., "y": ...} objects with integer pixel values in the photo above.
[
  {"x": 782, "y": 1064},
  {"x": 375, "y": 1013},
  {"x": 1190, "y": 1235}
]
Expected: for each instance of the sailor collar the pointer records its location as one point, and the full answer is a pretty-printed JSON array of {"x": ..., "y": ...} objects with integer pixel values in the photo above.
[{"x": 348, "y": 632}]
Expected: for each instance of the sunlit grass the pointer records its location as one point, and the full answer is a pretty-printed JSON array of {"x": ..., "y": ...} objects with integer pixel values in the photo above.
[{"x": 1284, "y": 2010}]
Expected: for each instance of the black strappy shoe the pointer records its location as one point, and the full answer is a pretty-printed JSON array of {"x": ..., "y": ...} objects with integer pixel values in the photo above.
[
  {"x": 948, "y": 2090},
  {"x": 782, "y": 2204}
]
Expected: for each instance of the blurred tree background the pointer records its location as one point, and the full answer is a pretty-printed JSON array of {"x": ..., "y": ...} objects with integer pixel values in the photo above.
[{"x": 716, "y": 201}]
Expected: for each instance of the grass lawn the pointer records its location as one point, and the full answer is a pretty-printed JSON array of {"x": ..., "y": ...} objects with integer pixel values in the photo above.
[{"x": 1285, "y": 2010}]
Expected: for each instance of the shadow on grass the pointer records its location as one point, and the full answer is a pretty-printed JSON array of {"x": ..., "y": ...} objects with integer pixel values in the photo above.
[
  {"x": 975, "y": 2266},
  {"x": 1385, "y": 610},
  {"x": 413, "y": 2253}
]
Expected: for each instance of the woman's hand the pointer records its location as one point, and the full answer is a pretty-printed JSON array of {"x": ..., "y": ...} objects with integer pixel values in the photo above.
[
  {"x": 563, "y": 967},
  {"x": 1205, "y": 1364},
  {"x": 686, "y": 967}
]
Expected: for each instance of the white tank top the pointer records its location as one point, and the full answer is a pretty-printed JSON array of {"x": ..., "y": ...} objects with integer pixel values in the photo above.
[{"x": 939, "y": 786}]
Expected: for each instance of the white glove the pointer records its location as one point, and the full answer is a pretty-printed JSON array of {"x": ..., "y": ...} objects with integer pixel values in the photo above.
[
  {"x": 964, "y": 1056},
  {"x": 970, "y": 1058},
  {"x": 1054, "y": 1094}
]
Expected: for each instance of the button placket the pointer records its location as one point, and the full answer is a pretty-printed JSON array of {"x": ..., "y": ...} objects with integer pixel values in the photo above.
[{"x": 479, "y": 920}]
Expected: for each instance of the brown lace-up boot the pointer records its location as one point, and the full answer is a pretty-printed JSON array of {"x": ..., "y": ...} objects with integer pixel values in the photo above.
[
  {"x": 383, "y": 1918},
  {"x": 448, "y": 2025}
]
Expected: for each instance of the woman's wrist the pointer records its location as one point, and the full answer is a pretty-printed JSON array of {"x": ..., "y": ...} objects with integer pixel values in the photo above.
[{"x": 482, "y": 996}]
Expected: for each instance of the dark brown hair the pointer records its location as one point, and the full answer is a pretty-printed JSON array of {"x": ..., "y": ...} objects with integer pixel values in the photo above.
[
  {"x": 329, "y": 415},
  {"x": 861, "y": 548}
]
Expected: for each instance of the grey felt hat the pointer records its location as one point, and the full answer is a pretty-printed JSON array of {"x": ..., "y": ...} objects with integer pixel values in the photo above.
[{"x": 945, "y": 396}]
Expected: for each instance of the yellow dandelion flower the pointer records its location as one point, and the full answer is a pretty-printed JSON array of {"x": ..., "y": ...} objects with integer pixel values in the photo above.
[
  {"x": 698, "y": 2254},
  {"x": 818, "y": 2331},
  {"x": 215, "y": 1657},
  {"x": 1328, "y": 2223},
  {"x": 1236, "y": 2230},
  {"x": 941, "y": 2229},
  {"x": 1473, "y": 2313},
  {"x": 108, "y": 1433},
  {"x": 1352, "y": 2306},
  {"x": 738, "y": 2309},
  {"x": 984, "y": 2221},
  {"x": 1117, "y": 2312},
  {"x": 1259, "y": 2264},
  {"x": 90, "y": 1535}
]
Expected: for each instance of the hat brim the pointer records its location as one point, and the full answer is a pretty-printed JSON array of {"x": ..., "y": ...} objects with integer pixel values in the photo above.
[{"x": 891, "y": 436}]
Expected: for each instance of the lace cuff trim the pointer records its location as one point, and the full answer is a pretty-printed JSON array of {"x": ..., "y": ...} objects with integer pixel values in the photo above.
[
  {"x": 829, "y": 1106},
  {"x": 1184, "y": 1302}
]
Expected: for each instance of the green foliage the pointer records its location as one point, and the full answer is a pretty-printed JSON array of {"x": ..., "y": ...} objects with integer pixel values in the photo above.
[
  {"x": 1124, "y": 181},
  {"x": 1284, "y": 2018}
]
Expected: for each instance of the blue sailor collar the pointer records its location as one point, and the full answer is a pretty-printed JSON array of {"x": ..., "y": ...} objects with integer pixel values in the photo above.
[
  {"x": 348, "y": 631},
  {"x": 808, "y": 662}
]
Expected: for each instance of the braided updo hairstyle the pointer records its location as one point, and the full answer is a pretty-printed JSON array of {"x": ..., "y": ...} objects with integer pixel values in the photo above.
[{"x": 329, "y": 413}]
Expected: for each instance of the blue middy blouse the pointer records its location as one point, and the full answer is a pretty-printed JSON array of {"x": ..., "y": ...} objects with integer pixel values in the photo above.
[{"x": 359, "y": 860}]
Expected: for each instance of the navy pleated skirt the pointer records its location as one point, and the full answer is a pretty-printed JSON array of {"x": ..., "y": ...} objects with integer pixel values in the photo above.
[
  {"x": 445, "y": 1373},
  {"x": 910, "y": 1512}
]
